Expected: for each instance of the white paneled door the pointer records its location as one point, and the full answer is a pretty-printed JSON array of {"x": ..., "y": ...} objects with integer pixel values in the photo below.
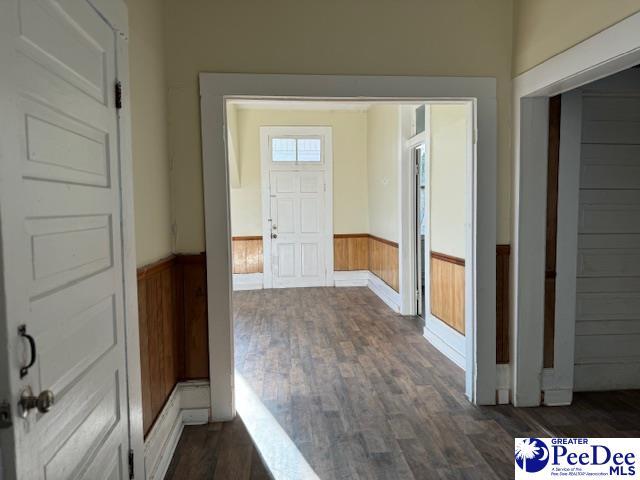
[
  {"x": 61, "y": 243},
  {"x": 298, "y": 228}
]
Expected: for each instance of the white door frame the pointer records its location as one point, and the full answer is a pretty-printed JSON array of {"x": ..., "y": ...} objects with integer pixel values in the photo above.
[
  {"x": 215, "y": 88},
  {"x": 408, "y": 214},
  {"x": 450, "y": 341},
  {"x": 610, "y": 51},
  {"x": 115, "y": 14},
  {"x": 327, "y": 167}
]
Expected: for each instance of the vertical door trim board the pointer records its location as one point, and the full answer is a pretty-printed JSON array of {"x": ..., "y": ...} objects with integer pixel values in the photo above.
[
  {"x": 216, "y": 88},
  {"x": 610, "y": 51},
  {"x": 116, "y": 14},
  {"x": 407, "y": 264},
  {"x": 558, "y": 381},
  {"x": 265, "y": 163}
]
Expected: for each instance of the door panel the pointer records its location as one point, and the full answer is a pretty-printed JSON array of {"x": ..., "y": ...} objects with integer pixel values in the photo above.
[
  {"x": 310, "y": 215},
  {"x": 61, "y": 240},
  {"x": 297, "y": 213}
]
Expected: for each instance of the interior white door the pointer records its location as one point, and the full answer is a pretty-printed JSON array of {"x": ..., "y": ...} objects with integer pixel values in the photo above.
[
  {"x": 297, "y": 228},
  {"x": 61, "y": 240}
]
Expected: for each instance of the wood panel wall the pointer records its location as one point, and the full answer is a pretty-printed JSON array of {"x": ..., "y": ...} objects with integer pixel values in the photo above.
[
  {"x": 447, "y": 290},
  {"x": 384, "y": 261},
  {"x": 172, "y": 315},
  {"x": 247, "y": 254},
  {"x": 351, "y": 251},
  {"x": 502, "y": 303},
  {"x": 159, "y": 336}
]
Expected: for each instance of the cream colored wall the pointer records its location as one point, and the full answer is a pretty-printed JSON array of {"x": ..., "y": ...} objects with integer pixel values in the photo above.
[
  {"x": 430, "y": 37},
  {"x": 448, "y": 178},
  {"x": 349, "y": 135},
  {"x": 544, "y": 28},
  {"x": 149, "y": 131},
  {"x": 383, "y": 168}
]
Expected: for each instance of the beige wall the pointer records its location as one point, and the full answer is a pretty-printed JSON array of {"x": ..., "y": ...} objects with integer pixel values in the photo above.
[
  {"x": 428, "y": 37},
  {"x": 349, "y": 134},
  {"x": 544, "y": 28},
  {"x": 449, "y": 132},
  {"x": 149, "y": 131},
  {"x": 383, "y": 156}
]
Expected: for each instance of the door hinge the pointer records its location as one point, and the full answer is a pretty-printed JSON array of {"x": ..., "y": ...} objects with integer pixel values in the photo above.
[
  {"x": 130, "y": 463},
  {"x": 118, "y": 90},
  {"x": 5, "y": 415}
]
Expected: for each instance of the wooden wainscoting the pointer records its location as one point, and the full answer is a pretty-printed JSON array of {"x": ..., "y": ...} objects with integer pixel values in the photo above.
[
  {"x": 192, "y": 270},
  {"x": 384, "y": 261},
  {"x": 447, "y": 289},
  {"x": 502, "y": 303},
  {"x": 351, "y": 251},
  {"x": 247, "y": 254},
  {"x": 159, "y": 336},
  {"x": 172, "y": 311}
]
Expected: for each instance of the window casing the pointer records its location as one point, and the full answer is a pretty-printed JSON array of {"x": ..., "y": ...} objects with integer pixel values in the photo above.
[{"x": 296, "y": 149}]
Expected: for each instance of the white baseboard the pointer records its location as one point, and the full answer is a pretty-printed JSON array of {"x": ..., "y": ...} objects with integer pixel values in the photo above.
[
  {"x": 555, "y": 393},
  {"x": 451, "y": 343},
  {"x": 188, "y": 404},
  {"x": 247, "y": 281},
  {"x": 353, "y": 278},
  {"x": 503, "y": 383},
  {"x": 387, "y": 294},
  {"x": 558, "y": 397}
]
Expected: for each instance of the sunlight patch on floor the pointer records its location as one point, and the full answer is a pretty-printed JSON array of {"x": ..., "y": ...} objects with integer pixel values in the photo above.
[{"x": 279, "y": 453}]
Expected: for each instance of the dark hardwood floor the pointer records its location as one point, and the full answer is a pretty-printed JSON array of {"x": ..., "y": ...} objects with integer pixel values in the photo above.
[
  {"x": 363, "y": 395},
  {"x": 217, "y": 451}
]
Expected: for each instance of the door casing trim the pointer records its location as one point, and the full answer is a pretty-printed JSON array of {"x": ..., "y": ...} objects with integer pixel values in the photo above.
[
  {"x": 216, "y": 88},
  {"x": 610, "y": 51}
]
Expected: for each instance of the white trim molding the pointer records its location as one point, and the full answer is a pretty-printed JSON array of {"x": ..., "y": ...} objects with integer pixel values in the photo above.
[
  {"x": 503, "y": 386},
  {"x": 387, "y": 294},
  {"x": 247, "y": 281},
  {"x": 451, "y": 343},
  {"x": 351, "y": 278},
  {"x": 188, "y": 404},
  {"x": 610, "y": 51},
  {"x": 217, "y": 88}
]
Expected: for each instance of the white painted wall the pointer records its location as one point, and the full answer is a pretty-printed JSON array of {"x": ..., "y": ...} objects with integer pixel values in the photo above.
[
  {"x": 383, "y": 169},
  {"x": 449, "y": 132},
  {"x": 349, "y": 131},
  {"x": 607, "y": 332},
  {"x": 149, "y": 131}
]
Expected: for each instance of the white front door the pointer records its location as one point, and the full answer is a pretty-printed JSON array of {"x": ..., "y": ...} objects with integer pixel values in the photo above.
[
  {"x": 297, "y": 228},
  {"x": 61, "y": 243}
]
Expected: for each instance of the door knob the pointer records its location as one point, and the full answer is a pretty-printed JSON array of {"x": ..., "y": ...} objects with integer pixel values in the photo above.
[
  {"x": 274, "y": 235},
  {"x": 42, "y": 402}
]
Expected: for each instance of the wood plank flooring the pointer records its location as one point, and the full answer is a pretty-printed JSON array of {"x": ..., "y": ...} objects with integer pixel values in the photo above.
[
  {"x": 217, "y": 451},
  {"x": 364, "y": 396}
]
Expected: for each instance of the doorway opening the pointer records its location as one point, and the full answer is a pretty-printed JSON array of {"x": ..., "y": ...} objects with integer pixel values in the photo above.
[
  {"x": 317, "y": 227},
  {"x": 591, "y": 296}
]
